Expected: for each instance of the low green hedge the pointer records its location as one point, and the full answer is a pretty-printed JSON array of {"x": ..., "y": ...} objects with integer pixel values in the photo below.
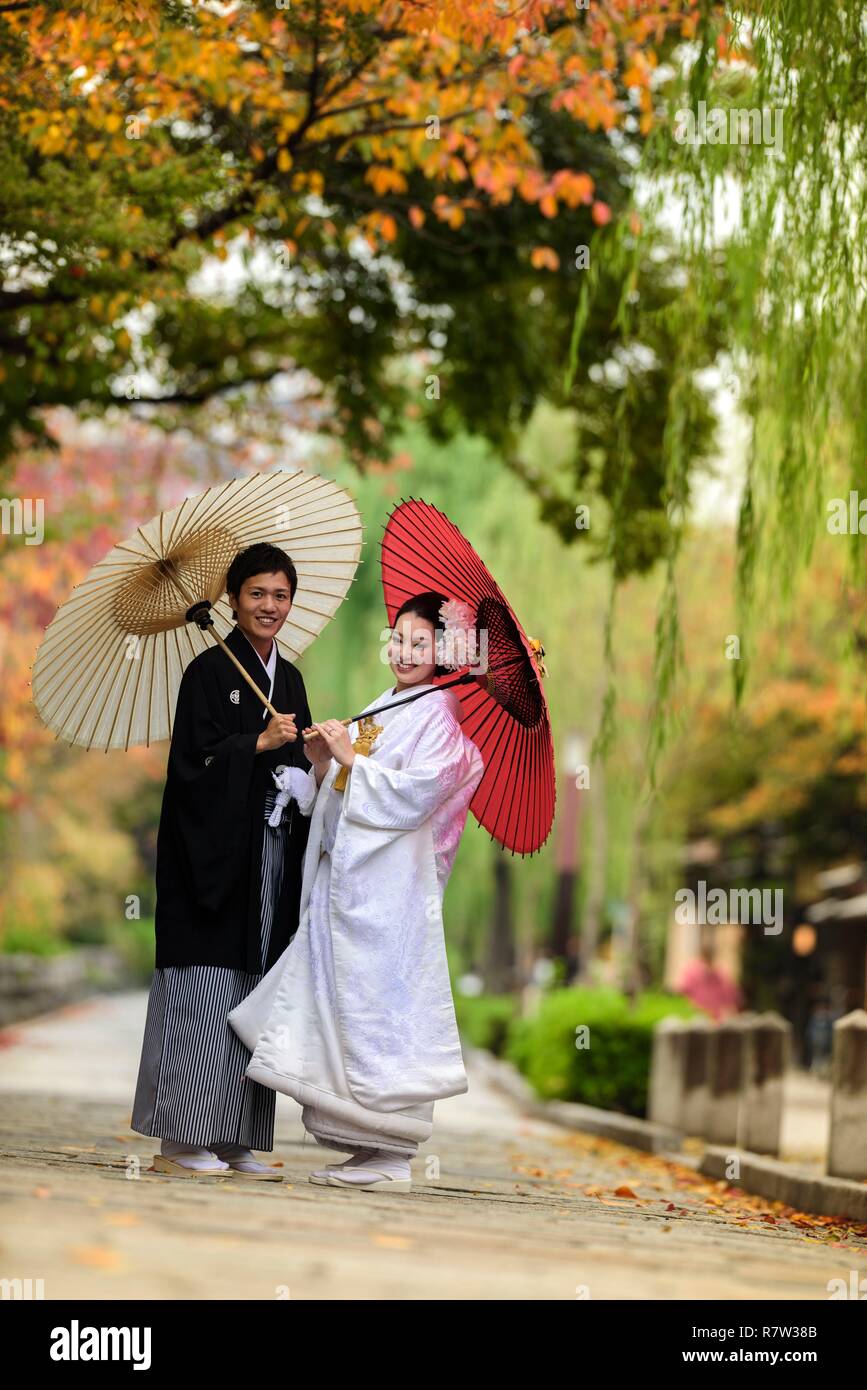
[
  {"x": 611, "y": 1072},
  {"x": 484, "y": 1020},
  {"x": 134, "y": 941}
]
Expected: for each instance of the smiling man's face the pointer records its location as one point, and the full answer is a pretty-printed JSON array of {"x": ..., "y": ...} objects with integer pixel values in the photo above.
[{"x": 263, "y": 605}]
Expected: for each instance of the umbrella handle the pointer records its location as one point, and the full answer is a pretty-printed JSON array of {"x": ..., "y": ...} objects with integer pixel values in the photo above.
[{"x": 458, "y": 680}]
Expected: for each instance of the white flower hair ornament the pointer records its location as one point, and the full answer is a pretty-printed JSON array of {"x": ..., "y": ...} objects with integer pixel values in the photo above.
[{"x": 457, "y": 646}]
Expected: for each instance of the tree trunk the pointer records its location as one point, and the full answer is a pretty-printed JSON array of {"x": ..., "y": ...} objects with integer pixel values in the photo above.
[{"x": 500, "y": 968}]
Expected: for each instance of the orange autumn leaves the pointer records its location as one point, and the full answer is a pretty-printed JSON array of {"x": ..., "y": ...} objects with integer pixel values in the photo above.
[
  {"x": 663, "y": 1188},
  {"x": 444, "y": 89}
]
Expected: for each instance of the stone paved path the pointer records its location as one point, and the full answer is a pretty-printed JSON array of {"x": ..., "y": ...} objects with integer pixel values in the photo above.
[{"x": 502, "y": 1207}]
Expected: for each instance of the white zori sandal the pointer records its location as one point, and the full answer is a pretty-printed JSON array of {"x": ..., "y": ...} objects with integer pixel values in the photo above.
[
  {"x": 369, "y": 1173},
  {"x": 161, "y": 1164},
  {"x": 252, "y": 1168},
  {"x": 242, "y": 1162}
]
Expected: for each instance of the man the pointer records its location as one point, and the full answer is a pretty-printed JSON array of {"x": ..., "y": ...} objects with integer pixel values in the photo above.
[{"x": 228, "y": 880}]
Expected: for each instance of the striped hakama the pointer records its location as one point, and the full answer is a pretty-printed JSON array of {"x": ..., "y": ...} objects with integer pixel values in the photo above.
[{"x": 191, "y": 1085}]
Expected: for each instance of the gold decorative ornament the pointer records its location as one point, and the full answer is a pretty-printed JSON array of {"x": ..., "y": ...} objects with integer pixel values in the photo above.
[
  {"x": 538, "y": 654},
  {"x": 368, "y": 733}
]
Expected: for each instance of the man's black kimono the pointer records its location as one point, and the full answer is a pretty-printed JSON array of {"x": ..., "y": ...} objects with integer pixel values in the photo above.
[{"x": 209, "y": 844}]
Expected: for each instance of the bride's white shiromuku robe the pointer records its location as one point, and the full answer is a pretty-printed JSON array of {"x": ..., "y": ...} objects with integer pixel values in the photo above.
[{"x": 356, "y": 1020}]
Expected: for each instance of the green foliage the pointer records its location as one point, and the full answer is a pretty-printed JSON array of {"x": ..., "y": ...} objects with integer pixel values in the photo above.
[
  {"x": 613, "y": 1071},
  {"x": 484, "y": 1021},
  {"x": 134, "y": 943},
  {"x": 786, "y": 278},
  {"x": 32, "y": 940}
]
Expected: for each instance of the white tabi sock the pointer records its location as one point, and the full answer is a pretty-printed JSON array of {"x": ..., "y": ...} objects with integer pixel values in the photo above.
[
  {"x": 240, "y": 1157},
  {"x": 360, "y": 1156},
  {"x": 189, "y": 1156},
  {"x": 379, "y": 1160}
]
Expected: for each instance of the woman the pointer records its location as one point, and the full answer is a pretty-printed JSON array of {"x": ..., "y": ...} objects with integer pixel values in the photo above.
[{"x": 356, "y": 1019}]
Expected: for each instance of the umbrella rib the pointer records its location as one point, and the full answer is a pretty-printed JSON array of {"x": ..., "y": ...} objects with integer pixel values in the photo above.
[
  {"x": 489, "y": 707},
  {"x": 240, "y": 504},
  {"x": 147, "y": 649},
  {"x": 169, "y": 710},
  {"x": 546, "y": 810},
  {"x": 320, "y": 593},
  {"x": 63, "y": 639},
  {"x": 256, "y": 515},
  {"x": 183, "y": 665},
  {"x": 187, "y": 631},
  {"x": 449, "y": 561},
  {"x": 536, "y": 762},
  {"x": 514, "y": 804},
  {"x": 535, "y": 766},
  {"x": 220, "y": 505},
  {"x": 119, "y": 704},
  {"x": 530, "y": 818},
  {"x": 546, "y": 745},
  {"x": 108, "y": 564},
  {"x": 176, "y": 521},
  {"x": 345, "y": 506},
  {"x": 194, "y": 523},
  {"x": 149, "y": 543},
  {"x": 538, "y": 806},
  {"x": 499, "y": 729},
  {"x": 99, "y": 684},
  {"x": 151, "y": 689},
  {"x": 466, "y": 554},
  {"x": 313, "y": 529},
  {"x": 413, "y": 580},
  {"x": 95, "y": 635},
  {"x": 351, "y": 542},
  {"x": 445, "y": 571}
]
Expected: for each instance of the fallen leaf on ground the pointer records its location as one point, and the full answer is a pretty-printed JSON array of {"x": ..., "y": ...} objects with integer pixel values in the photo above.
[{"x": 95, "y": 1257}]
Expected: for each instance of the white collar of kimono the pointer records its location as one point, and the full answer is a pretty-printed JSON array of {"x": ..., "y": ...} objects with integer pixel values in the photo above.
[
  {"x": 270, "y": 665},
  {"x": 405, "y": 694},
  {"x": 398, "y": 696}
]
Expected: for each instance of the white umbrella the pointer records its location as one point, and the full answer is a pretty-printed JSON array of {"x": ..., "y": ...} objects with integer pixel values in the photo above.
[{"x": 108, "y": 668}]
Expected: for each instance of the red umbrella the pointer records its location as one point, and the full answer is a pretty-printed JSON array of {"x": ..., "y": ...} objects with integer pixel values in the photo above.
[{"x": 508, "y": 721}]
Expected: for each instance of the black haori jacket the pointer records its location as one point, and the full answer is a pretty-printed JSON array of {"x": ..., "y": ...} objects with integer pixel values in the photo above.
[{"x": 209, "y": 843}]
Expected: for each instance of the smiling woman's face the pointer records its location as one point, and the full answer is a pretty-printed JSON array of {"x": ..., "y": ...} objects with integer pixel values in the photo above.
[{"x": 411, "y": 651}]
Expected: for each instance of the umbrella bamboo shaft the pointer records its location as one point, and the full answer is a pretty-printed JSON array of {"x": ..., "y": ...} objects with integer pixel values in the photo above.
[
  {"x": 171, "y": 574},
  {"x": 395, "y": 704},
  {"x": 246, "y": 674}
]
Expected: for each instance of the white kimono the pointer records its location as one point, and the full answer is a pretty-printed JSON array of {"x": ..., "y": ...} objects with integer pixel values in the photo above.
[{"x": 356, "y": 1019}]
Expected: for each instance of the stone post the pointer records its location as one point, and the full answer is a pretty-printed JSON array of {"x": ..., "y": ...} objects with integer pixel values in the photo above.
[
  {"x": 847, "y": 1149},
  {"x": 768, "y": 1048},
  {"x": 726, "y": 1080},
  {"x": 668, "y": 1073},
  {"x": 699, "y": 1041}
]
